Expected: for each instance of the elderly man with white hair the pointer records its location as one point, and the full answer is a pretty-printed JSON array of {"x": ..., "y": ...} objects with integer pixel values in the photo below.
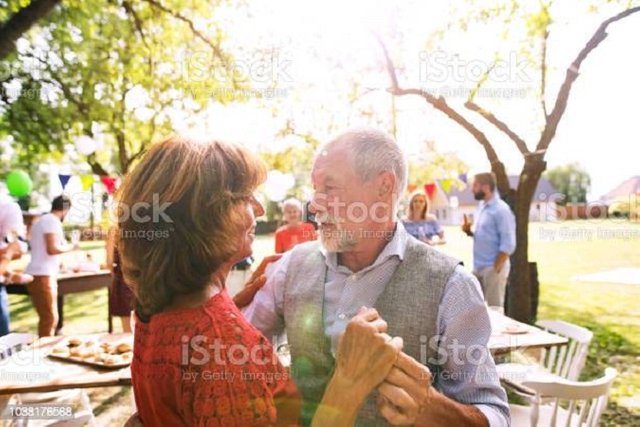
[{"x": 445, "y": 375}]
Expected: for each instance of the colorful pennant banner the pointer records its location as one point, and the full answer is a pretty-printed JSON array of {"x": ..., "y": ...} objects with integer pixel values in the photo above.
[
  {"x": 64, "y": 179},
  {"x": 109, "y": 183}
]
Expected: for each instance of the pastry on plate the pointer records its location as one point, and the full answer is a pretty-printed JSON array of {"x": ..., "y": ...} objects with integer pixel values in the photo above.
[
  {"x": 112, "y": 360},
  {"x": 60, "y": 351},
  {"x": 124, "y": 347},
  {"x": 74, "y": 341}
]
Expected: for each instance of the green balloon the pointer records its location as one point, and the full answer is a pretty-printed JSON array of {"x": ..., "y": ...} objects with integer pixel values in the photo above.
[{"x": 19, "y": 183}]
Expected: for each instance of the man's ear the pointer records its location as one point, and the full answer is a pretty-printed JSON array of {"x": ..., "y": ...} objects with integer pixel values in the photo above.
[{"x": 386, "y": 184}]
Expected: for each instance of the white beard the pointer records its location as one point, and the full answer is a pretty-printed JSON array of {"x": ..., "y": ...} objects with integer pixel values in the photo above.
[{"x": 338, "y": 240}]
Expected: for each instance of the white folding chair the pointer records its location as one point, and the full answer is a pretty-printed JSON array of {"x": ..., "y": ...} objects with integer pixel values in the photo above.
[
  {"x": 572, "y": 403},
  {"x": 565, "y": 362},
  {"x": 14, "y": 342},
  {"x": 10, "y": 344}
]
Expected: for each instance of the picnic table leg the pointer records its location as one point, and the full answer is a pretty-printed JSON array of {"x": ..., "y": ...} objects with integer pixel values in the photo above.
[{"x": 60, "y": 314}]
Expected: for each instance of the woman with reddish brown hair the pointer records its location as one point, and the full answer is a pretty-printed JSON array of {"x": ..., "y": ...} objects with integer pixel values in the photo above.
[{"x": 186, "y": 216}]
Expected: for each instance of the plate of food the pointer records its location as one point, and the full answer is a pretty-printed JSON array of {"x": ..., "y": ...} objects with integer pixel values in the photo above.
[
  {"x": 89, "y": 351},
  {"x": 515, "y": 329}
]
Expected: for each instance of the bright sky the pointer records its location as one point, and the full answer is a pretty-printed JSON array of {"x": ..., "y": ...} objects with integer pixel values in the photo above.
[{"x": 323, "y": 46}]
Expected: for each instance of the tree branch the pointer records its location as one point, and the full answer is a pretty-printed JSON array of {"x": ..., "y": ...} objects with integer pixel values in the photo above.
[
  {"x": 20, "y": 22},
  {"x": 96, "y": 167},
  {"x": 481, "y": 81},
  {"x": 57, "y": 81},
  {"x": 440, "y": 103},
  {"x": 543, "y": 74},
  {"x": 491, "y": 118},
  {"x": 137, "y": 22},
  {"x": 571, "y": 75},
  {"x": 138, "y": 153},
  {"x": 214, "y": 47}
]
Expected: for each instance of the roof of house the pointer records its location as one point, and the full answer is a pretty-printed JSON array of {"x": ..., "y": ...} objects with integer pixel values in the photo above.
[
  {"x": 543, "y": 191},
  {"x": 625, "y": 189}
]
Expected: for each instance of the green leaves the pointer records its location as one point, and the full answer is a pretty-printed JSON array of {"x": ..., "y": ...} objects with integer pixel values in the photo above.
[
  {"x": 430, "y": 165},
  {"x": 123, "y": 66},
  {"x": 537, "y": 23},
  {"x": 572, "y": 181}
]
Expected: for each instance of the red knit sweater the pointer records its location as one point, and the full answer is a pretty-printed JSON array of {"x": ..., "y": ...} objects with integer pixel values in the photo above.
[{"x": 208, "y": 366}]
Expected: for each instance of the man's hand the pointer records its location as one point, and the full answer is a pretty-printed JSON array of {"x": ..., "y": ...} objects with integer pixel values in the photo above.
[
  {"x": 499, "y": 262},
  {"x": 255, "y": 283},
  {"x": 365, "y": 357},
  {"x": 366, "y": 353},
  {"x": 405, "y": 393},
  {"x": 466, "y": 226}
]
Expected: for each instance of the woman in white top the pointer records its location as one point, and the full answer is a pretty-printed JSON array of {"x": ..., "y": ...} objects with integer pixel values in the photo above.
[{"x": 47, "y": 243}]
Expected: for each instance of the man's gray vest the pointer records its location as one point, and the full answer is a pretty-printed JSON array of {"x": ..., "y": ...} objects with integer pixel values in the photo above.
[{"x": 409, "y": 304}]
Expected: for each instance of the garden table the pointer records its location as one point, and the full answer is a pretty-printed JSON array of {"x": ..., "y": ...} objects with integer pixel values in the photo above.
[
  {"x": 510, "y": 335},
  {"x": 71, "y": 283},
  {"x": 30, "y": 370}
]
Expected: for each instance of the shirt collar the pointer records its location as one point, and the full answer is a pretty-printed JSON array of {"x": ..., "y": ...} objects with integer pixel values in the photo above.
[
  {"x": 396, "y": 247},
  {"x": 492, "y": 201},
  {"x": 55, "y": 217}
]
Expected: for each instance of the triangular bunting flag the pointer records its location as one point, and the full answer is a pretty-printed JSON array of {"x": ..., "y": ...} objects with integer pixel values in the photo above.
[
  {"x": 109, "y": 183},
  {"x": 446, "y": 185},
  {"x": 87, "y": 182},
  {"x": 430, "y": 189},
  {"x": 64, "y": 179}
]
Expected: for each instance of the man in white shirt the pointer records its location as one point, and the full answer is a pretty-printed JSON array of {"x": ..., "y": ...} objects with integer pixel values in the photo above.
[
  {"x": 47, "y": 243},
  {"x": 11, "y": 229}
]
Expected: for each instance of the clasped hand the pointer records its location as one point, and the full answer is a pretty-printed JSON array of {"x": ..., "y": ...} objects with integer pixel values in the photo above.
[{"x": 368, "y": 358}]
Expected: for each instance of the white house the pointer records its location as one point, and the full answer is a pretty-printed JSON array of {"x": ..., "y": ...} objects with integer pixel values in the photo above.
[{"x": 450, "y": 207}]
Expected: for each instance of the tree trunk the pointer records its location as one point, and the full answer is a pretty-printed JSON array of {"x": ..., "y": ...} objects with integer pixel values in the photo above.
[
  {"x": 20, "y": 22},
  {"x": 519, "y": 304}
]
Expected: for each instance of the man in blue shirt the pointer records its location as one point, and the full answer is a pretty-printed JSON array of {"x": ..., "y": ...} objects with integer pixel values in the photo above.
[{"x": 494, "y": 239}]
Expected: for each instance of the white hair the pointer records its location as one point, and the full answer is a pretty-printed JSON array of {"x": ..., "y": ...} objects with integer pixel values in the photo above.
[
  {"x": 292, "y": 202},
  {"x": 373, "y": 152}
]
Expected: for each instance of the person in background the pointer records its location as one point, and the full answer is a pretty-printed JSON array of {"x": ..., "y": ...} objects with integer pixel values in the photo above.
[
  {"x": 47, "y": 243},
  {"x": 122, "y": 300},
  {"x": 494, "y": 239},
  {"x": 309, "y": 217},
  {"x": 294, "y": 231},
  {"x": 420, "y": 223},
  {"x": 11, "y": 247}
]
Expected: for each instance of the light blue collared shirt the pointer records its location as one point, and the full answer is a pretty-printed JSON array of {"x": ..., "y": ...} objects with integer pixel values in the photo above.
[
  {"x": 495, "y": 231},
  {"x": 462, "y": 319}
]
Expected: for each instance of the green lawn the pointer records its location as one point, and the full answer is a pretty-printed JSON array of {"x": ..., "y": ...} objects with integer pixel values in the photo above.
[{"x": 611, "y": 311}]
